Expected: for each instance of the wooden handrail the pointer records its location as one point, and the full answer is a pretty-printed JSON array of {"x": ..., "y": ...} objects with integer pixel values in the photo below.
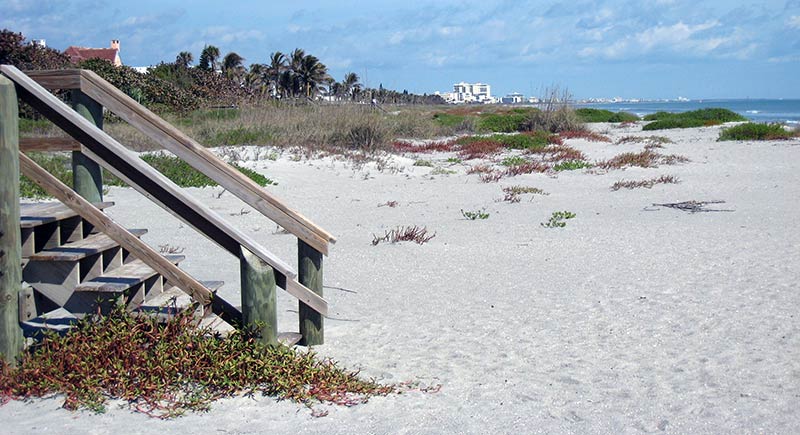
[
  {"x": 116, "y": 232},
  {"x": 43, "y": 144},
  {"x": 188, "y": 150},
  {"x": 102, "y": 148}
]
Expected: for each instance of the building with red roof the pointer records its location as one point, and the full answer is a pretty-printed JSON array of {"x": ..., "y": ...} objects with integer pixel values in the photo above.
[{"x": 78, "y": 54}]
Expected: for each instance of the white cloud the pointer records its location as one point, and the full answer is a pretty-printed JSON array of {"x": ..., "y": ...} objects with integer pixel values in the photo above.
[{"x": 794, "y": 22}]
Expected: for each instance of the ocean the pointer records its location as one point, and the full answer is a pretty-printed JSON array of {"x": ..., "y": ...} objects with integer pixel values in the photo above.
[{"x": 783, "y": 111}]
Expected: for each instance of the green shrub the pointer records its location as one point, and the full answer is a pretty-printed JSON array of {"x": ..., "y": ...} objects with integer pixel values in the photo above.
[
  {"x": 694, "y": 118},
  {"x": 448, "y": 120},
  {"x": 534, "y": 140},
  {"x": 754, "y": 131},
  {"x": 501, "y": 122},
  {"x": 186, "y": 176},
  {"x": 513, "y": 161},
  {"x": 600, "y": 115}
]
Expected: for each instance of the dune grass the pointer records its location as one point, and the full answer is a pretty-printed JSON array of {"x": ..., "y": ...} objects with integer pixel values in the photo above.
[{"x": 587, "y": 114}]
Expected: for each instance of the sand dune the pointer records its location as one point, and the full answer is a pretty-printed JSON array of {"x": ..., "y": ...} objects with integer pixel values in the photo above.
[{"x": 631, "y": 319}]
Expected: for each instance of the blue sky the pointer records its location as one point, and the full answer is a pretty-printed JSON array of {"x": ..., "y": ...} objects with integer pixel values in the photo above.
[{"x": 649, "y": 49}]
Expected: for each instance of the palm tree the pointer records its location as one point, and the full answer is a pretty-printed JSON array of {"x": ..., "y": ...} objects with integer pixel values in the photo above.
[
  {"x": 350, "y": 85},
  {"x": 312, "y": 73},
  {"x": 184, "y": 59},
  {"x": 277, "y": 65},
  {"x": 209, "y": 58},
  {"x": 256, "y": 79},
  {"x": 232, "y": 65}
]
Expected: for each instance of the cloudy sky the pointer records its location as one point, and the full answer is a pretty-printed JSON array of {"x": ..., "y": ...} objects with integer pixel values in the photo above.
[{"x": 647, "y": 48}]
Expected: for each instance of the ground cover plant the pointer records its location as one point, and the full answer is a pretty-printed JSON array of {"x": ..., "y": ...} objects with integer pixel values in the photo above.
[
  {"x": 475, "y": 215},
  {"x": 167, "y": 369},
  {"x": 643, "y": 159},
  {"x": 557, "y": 219},
  {"x": 584, "y": 134},
  {"x": 513, "y": 193},
  {"x": 418, "y": 235},
  {"x": 694, "y": 118},
  {"x": 754, "y": 131},
  {"x": 587, "y": 114},
  {"x": 649, "y": 183},
  {"x": 571, "y": 165}
]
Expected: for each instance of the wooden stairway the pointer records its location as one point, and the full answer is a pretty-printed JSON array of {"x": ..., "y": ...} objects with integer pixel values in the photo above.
[{"x": 72, "y": 270}]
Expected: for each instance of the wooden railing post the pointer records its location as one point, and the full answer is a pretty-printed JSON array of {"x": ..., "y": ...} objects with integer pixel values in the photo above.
[
  {"x": 11, "y": 341},
  {"x": 259, "y": 304},
  {"x": 309, "y": 273},
  {"x": 87, "y": 177}
]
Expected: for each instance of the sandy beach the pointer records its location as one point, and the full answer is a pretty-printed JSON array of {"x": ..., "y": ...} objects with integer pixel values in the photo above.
[{"x": 632, "y": 319}]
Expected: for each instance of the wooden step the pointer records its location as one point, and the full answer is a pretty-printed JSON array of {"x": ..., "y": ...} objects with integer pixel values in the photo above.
[
  {"x": 171, "y": 301},
  {"x": 40, "y": 213},
  {"x": 75, "y": 251},
  {"x": 124, "y": 277}
]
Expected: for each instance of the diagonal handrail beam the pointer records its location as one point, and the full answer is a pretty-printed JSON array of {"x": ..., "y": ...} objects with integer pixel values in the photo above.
[
  {"x": 105, "y": 150},
  {"x": 189, "y": 150}
]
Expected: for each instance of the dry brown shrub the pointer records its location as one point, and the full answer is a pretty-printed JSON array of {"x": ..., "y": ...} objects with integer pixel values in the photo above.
[
  {"x": 634, "y": 184},
  {"x": 491, "y": 177},
  {"x": 479, "y": 169},
  {"x": 480, "y": 149},
  {"x": 443, "y": 146},
  {"x": 584, "y": 134},
  {"x": 527, "y": 168},
  {"x": 643, "y": 159}
]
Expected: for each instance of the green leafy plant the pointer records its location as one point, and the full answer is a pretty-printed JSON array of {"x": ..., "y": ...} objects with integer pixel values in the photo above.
[
  {"x": 587, "y": 114},
  {"x": 426, "y": 163},
  {"x": 166, "y": 369},
  {"x": 455, "y": 160},
  {"x": 557, "y": 219},
  {"x": 571, "y": 165},
  {"x": 474, "y": 215},
  {"x": 513, "y": 161},
  {"x": 754, "y": 131},
  {"x": 694, "y": 118}
]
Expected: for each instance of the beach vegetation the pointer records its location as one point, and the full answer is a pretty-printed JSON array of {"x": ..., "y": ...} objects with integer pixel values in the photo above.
[
  {"x": 643, "y": 159},
  {"x": 695, "y": 118},
  {"x": 166, "y": 369},
  {"x": 527, "y": 168},
  {"x": 490, "y": 177},
  {"x": 647, "y": 184},
  {"x": 453, "y": 160},
  {"x": 571, "y": 165},
  {"x": 513, "y": 160},
  {"x": 584, "y": 134},
  {"x": 426, "y": 163},
  {"x": 513, "y": 193},
  {"x": 416, "y": 234},
  {"x": 587, "y": 114},
  {"x": 475, "y": 215},
  {"x": 558, "y": 218},
  {"x": 755, "y": 131}
]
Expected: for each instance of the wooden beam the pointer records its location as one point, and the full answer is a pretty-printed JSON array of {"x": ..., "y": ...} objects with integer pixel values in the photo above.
[
  {"x": 204, "y": 160},
  {"x": 87, "y": 177},
  {"x": 310, "y": 274},
  {"x": 259, "y": 302},
  {"x": 11, "y": 341},
  {"x": 48, "y": 144},
  {"x": 57, "y": 79},
  {"x": 103, "y": 149},
  {"x": 116, "y": 232}
]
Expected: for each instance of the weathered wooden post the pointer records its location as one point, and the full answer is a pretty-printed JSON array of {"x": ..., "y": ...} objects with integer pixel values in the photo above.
[
  {"x": 87, "y": 177},
  {"x": 259, "y": 304},
  {"x": 11, "y": 340},
  {"x": 310, "y": 275}
]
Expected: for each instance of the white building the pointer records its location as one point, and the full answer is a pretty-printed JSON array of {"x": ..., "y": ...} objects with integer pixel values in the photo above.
[
  {"x": 513, "y": 98},
  {"x": 470, "y": 93}
]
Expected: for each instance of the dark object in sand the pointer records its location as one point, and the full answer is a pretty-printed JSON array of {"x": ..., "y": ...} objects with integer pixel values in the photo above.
[{"x": 693, "y": 206}]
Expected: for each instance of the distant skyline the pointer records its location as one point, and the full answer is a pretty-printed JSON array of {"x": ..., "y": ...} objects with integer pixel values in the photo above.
[{"x": 604, "y": 49}]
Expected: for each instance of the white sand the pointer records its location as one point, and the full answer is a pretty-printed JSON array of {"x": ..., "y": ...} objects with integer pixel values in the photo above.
[{"x": 626, "y": 321}]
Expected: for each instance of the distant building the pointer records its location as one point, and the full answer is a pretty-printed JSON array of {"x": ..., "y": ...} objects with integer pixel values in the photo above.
[
  {"x": 513, "y": 98},
  {"x": 470, "y": 93},
  {"x": 39, "y": 43},
  {"x": 111, "y": 54}
]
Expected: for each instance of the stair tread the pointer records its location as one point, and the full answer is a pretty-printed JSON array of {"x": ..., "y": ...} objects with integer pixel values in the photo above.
[
  {"x": 123, "y": 277},
  {"x": 33, "y": 214},
  {"x": 77, "y": 250}
]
